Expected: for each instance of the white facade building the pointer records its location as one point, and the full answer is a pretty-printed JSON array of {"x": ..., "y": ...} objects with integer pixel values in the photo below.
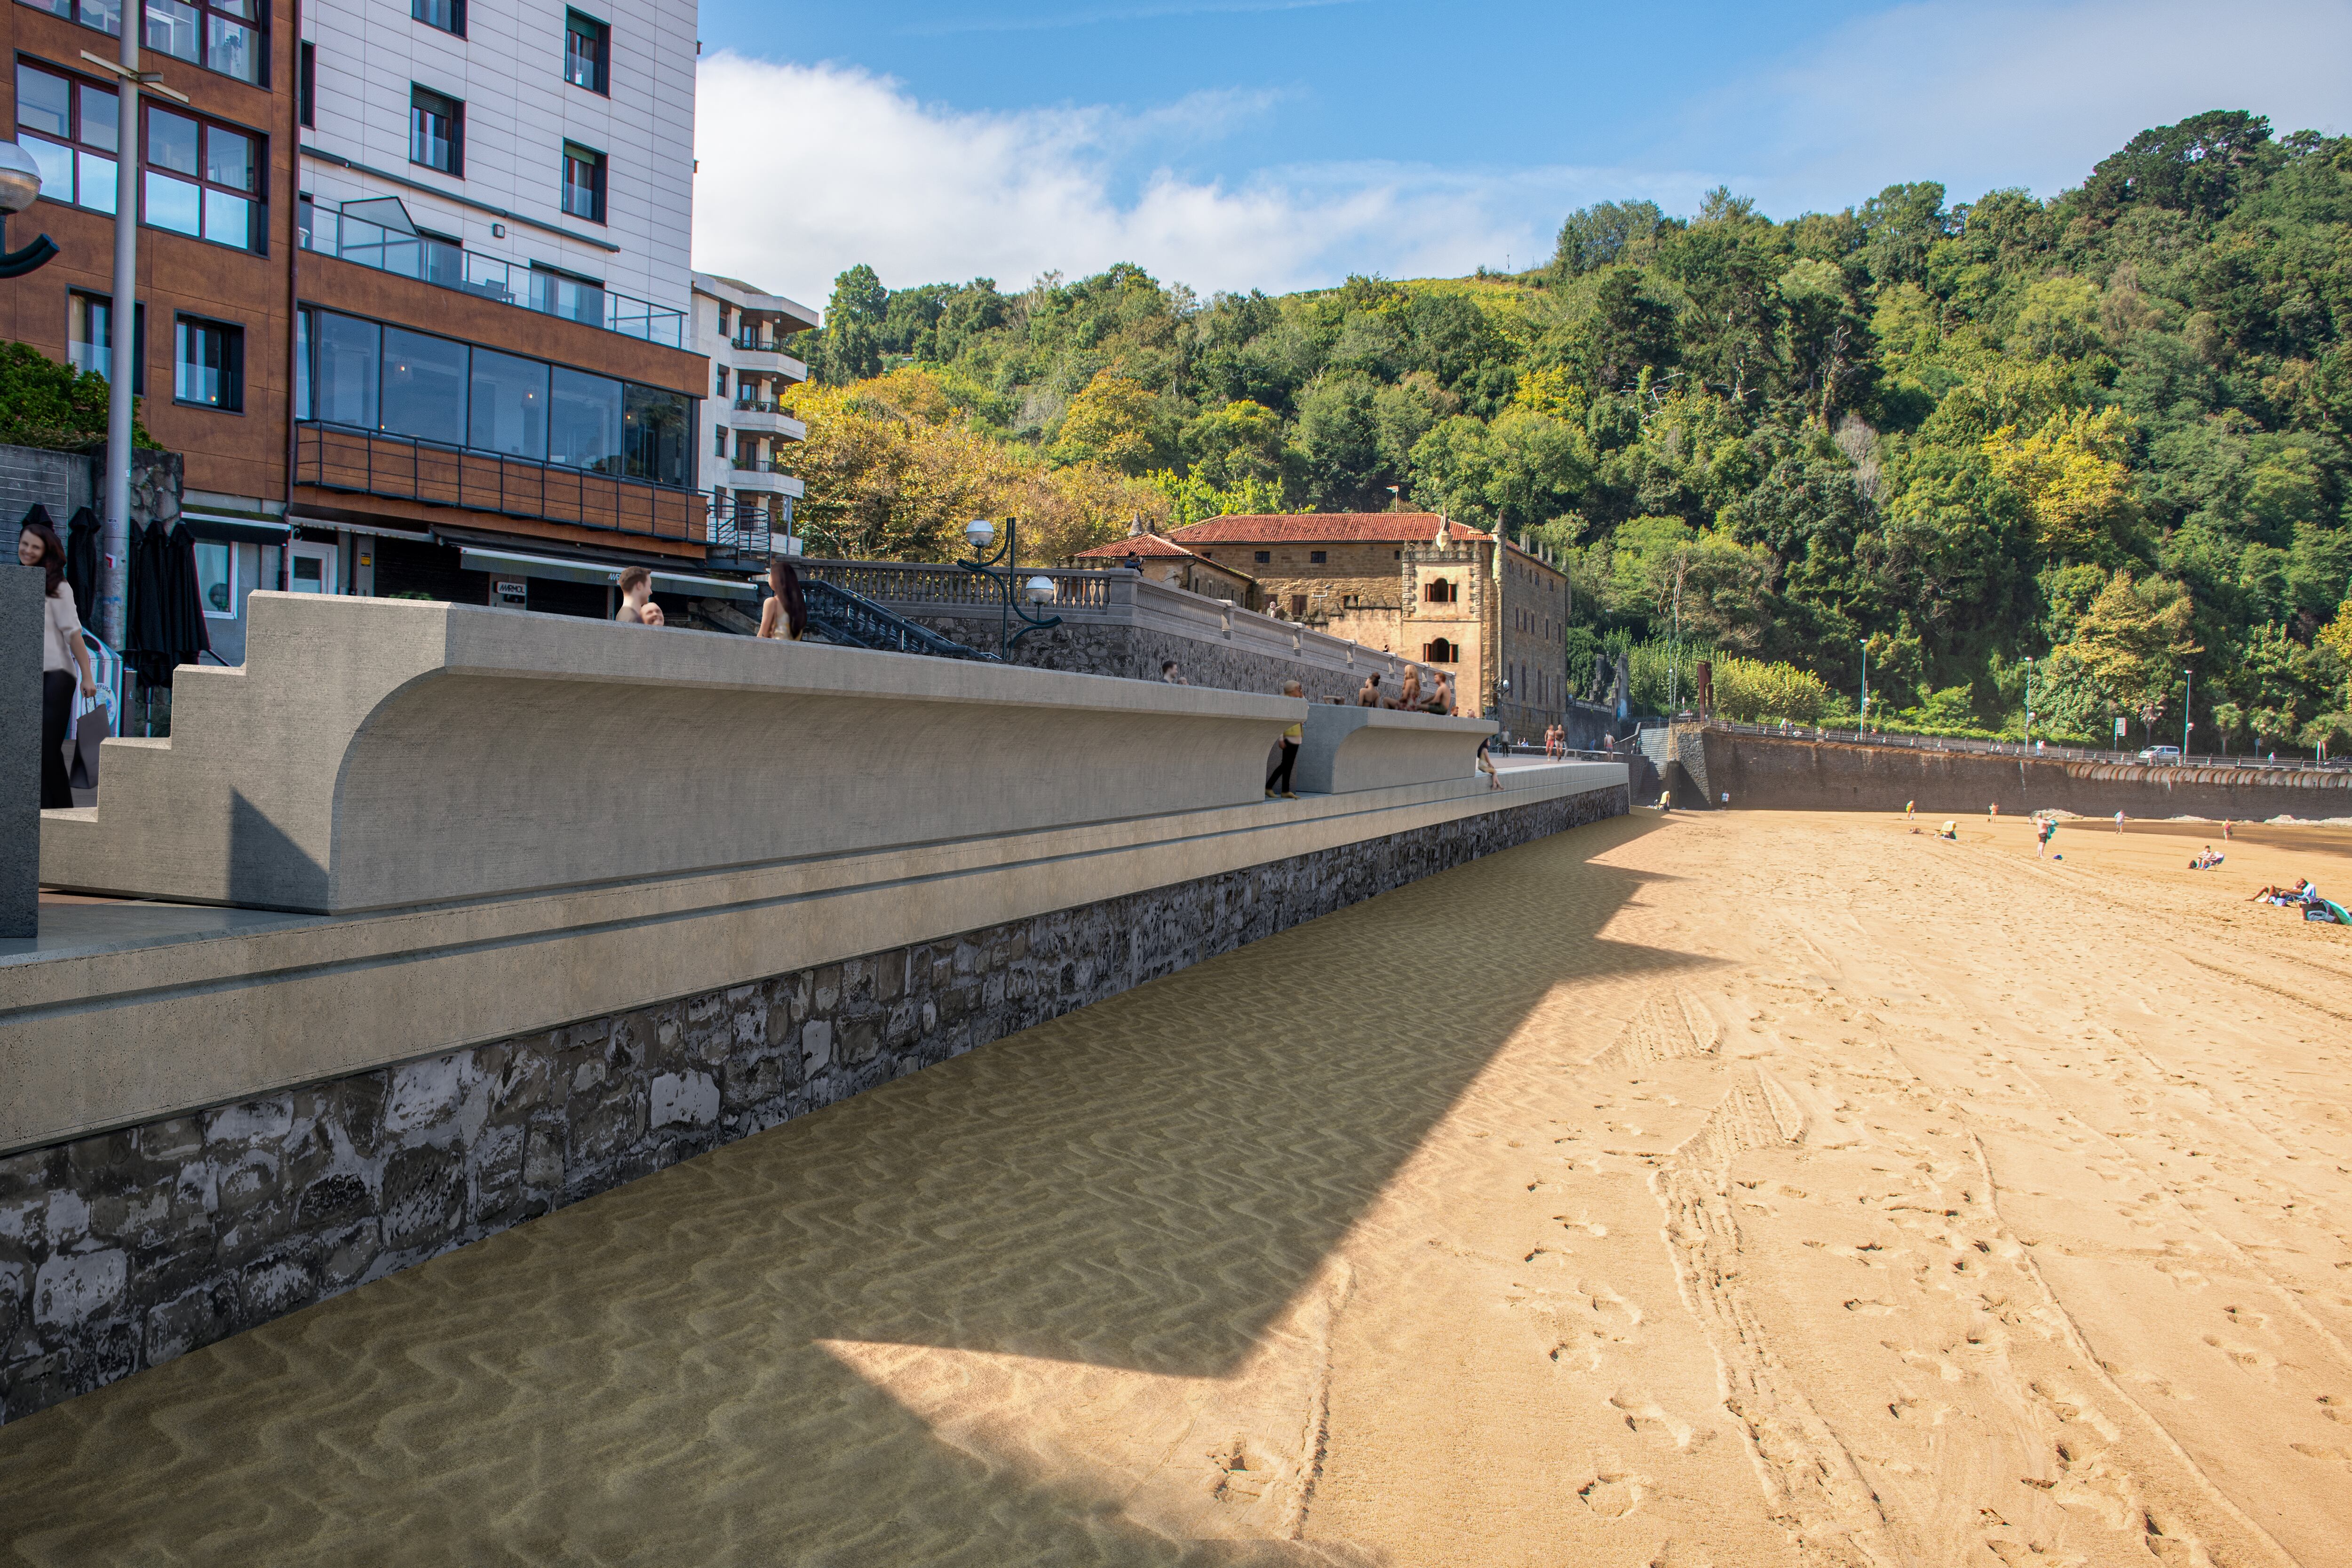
[
  {"x": 550, "y": 137},
  {"x": 748, "y": 423}
]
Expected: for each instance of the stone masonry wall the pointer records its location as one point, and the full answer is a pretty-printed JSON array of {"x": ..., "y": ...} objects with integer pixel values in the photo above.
[
  {"x": 1137, "y": 654},
  {"x": 121, "y": 1251}
]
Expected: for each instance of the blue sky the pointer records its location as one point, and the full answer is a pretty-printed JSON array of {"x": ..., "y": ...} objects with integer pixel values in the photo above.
[{"x": 1283, "y": 144}]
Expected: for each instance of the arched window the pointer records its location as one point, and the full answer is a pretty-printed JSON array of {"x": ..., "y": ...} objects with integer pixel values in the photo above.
[
  {"x": 1441, "y": 652},
  {"x": 1442, "y": 591}
]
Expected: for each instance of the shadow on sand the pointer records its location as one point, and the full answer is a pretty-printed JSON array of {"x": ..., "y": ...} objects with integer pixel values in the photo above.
[{"x": 1143, "y": 1185}]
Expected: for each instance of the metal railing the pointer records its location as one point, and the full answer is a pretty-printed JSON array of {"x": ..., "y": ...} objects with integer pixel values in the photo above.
[
  {"x": 763, "y": 406},
  {"x": 371, "y": 462},
  {"x": 752, "y": 343},
  {"x": 437, "y": 261},
  {"x": 743, "y": 532},
  {"x": 844, "y": 615},
  {"x": 2039, "y": 749},
  {"x": 760, "y": 466},
  {"x": 916, "y": 583}
]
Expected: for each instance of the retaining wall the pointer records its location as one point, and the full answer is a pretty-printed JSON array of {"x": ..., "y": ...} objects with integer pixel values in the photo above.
[
  {"x": 1774, "y": 772},
  {"x": 122, "y": 1250}
]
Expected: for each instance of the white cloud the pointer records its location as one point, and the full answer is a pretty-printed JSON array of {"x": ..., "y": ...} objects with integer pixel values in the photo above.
[
  {"x": 806, "y": 170},
  {"x": 1987, "y": 96}
]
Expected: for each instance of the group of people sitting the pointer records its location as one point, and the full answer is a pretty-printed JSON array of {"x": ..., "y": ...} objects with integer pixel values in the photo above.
[
  {"x": 1408, "y": 696},
  {"x": 2304, "y": 896}
]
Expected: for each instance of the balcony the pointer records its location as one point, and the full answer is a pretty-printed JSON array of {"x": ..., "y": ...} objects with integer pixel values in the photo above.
[
  {"x": 767, "y": 418},
  {"x": 755, "y": 356},
  {"x": 368, "y": 462},
  {"x": 436, "y": 261},
  {"x": 765, "y": 476}
]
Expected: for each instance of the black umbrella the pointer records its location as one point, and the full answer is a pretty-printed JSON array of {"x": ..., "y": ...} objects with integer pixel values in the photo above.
[
  {"x": 81, "y": 562},
  {"x": 167, "y": 610}
]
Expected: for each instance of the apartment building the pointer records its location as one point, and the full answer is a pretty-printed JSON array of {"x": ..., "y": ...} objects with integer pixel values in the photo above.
[
  {"x": 749, "y": 428},
  {"x": 415, "y": 298},
  {"x": 1418, "y": 586}
]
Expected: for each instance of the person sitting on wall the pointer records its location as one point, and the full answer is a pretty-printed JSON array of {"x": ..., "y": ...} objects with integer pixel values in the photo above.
[
  {"x": 1171, "y": 676},
  {"x": 1408, "y": 693},
  {"x": 1440, "y": 701},
  {"x": 785, "y": 615},
  {"x": 1367, "y": 695},
  {"x": 637, "y": 606}
]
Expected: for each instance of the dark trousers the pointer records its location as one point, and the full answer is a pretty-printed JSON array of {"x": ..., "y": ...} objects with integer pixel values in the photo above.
[
  {"x": 57, "y": 687},
  {"x": 1280, "y": 778}
]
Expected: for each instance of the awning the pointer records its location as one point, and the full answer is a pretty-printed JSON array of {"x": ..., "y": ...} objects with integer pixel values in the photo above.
[
  {"x": 329, "y": 525},
  {"x": 236, "y": 530},
  {"x": 563, "y": 571}
]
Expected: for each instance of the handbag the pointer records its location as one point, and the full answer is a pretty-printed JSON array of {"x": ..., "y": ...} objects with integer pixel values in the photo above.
[{"x": 90, "y": 732}]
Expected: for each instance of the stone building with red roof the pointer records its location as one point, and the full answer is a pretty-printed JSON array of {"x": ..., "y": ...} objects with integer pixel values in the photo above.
[
  {"x": 1162, "y": 560},
  {"x": 1412, "y": 583}
]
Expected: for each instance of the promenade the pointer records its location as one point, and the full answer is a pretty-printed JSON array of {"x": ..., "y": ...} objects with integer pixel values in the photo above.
[{"x": 1724, "y": 1189}]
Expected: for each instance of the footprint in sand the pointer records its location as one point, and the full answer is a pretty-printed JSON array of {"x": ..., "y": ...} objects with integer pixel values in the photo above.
[
  {"x": 2313, "y": 1451},
  {"x": 1645, "y": 1415},
  {"x": 1614, "y": 1494},
  {"x": 2261, "y": 1364}
]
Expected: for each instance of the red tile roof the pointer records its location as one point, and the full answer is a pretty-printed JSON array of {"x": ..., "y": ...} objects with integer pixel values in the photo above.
[
  {"x": 1343, "y": 527},
  {"x": 1144, "y": 544}
]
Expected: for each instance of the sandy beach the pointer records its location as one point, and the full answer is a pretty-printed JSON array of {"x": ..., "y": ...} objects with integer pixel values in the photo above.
[{"x": 1709, "y": 1190}]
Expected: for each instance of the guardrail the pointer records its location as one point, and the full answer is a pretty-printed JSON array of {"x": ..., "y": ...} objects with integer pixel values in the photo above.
[
  {"x": 1113, "y": 596},
  {"x": 371, "y": 462},
  {"x": 448, "y": 265},
  {"x": 2039, "y": 749}
]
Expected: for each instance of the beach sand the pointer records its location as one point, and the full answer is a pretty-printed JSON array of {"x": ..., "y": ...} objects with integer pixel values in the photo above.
[{"x": 1722, "y": 1189}]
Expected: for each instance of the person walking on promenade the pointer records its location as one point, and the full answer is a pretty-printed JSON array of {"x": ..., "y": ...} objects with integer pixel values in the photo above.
[
  {"x": 62, "y": 650},
  {"x": 1486, "y": 764},
  {"x": 785, "y": 615},
  {"x": 637, "y": 606},
  {"x": 1367, "y": 695},
  {"x": 1277, "y": 783},
  {"x": 1171, "y": 676}
]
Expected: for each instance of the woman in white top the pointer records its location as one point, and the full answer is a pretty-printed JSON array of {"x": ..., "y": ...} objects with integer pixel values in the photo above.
[{"x": 61, "y": 650}]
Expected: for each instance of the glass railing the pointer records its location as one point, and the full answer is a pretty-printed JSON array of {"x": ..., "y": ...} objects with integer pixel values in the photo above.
[
  {"x": 763, "y": 406},
  {"x": 437, "y": 261}
]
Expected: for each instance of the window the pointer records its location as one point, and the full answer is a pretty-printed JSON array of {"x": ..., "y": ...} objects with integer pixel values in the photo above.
[
  {"x": 209, "y": 364},
  {"x": 587, "y": 52},
  {"x": 306, "y": 84},
  {"x": 72, "y": 130},
  {"x": 719, "y": 447},
  {"x": 1441, "y": 652},
  {"x": 89, "y": 338},
  {"x": 1315, "y": 557},
  {"x": 368, "y": 376},
  {"x": 449, "y": 15},
  {"x": 1263, "y": 556},
  {"x": 222, "y": 34},
  {"x": 436, "y": 130},
  {"x": 584, "y": 182},
  {"x": 510, "y": 404},
  {"x": 657, "y": 428},
  {"x": 423, "y": 387},
  {"x": 217, "y": 579},
  {"x": 203, "y": 179},
  {"x": 1442, "y": 591}
]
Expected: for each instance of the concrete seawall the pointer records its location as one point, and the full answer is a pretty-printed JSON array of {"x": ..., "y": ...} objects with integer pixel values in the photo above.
[
  {"x": 446, "y": 1019},
  {"x": 1776, "y": 772}
]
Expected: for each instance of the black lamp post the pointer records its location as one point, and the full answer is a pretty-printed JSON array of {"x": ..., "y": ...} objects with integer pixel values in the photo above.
[
  {"x": 980, "y": 533},
  {"x": 20, "y": 186}
]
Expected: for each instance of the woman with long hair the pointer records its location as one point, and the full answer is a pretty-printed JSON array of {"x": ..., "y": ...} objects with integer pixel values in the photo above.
[
  {"x": 62, "y": 650},
  {"x": 785, "y": 615}
]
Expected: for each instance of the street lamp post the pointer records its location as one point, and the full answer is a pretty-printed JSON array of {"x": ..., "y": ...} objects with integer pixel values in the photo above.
[
  {"x": 1864, "y": 643},
  {"x": 1039, "y": 590},
  {"x": 2187, "y": 699}
]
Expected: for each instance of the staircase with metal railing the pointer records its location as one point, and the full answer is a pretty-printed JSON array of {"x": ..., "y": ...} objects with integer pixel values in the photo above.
[{"x": 843, "y": 616}]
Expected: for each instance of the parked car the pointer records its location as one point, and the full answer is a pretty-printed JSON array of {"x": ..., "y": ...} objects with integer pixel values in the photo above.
[{"x": 2160, "y": 754}]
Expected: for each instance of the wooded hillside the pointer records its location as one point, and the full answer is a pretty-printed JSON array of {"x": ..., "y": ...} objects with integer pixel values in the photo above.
[{"x": 2108, "y": 431}]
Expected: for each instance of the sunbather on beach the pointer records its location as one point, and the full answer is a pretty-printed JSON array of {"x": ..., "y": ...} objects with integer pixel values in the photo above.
[{"x": 2303, "y": 892}]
